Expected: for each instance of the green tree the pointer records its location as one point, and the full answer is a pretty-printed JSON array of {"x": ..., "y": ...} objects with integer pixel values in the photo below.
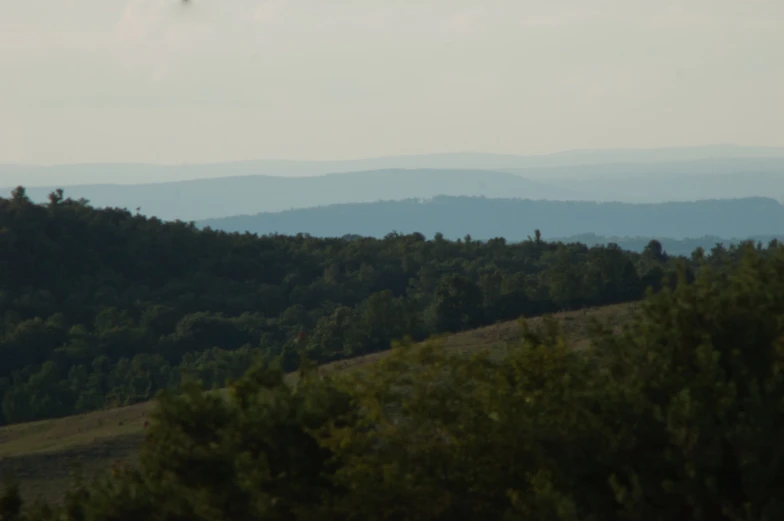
[{"x": 457, "y": 305}]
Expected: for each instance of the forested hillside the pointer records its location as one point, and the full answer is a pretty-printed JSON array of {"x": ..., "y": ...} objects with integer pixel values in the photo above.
[
  {"x": 677, "y": 417},
  {"x": 103, "y": 307}
]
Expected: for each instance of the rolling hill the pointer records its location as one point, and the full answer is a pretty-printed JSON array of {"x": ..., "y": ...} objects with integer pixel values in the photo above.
[
  {"x": 194, "y": 192},
  {"x": 135, "y": 173},
  {"x": 46, "y": 455},
  {"x": 516, "y": 219},
  {"x": 668, "y": 181},
  {"x": 222, "y": 197}
]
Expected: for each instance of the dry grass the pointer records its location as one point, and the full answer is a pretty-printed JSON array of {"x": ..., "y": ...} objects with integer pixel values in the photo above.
[
  {"x": 574, "y": 324},
  {"x": 44, "y": 456}
]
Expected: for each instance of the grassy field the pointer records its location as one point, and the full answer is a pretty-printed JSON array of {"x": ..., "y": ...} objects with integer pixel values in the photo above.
[{"x": 45, "y": 456}]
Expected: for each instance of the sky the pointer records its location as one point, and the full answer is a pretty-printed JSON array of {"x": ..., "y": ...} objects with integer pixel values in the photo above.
[{"x": 220, "y": 80}]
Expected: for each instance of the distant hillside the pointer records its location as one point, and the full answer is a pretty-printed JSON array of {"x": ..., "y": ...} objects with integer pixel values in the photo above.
[
  {"x": 622, "y": 170},
  {"x": 209, "y": 198},
  {"x": 225, "y": 195},
  {"x": 134, "y": 173},
  {"x": 668, "y": 181},
  {"x": 103, "y": 307},
  {"x": 516, "y": 219}
]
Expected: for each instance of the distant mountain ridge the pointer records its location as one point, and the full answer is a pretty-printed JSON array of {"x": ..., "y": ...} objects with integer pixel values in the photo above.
[
  {"x": 668, "y": 181},
  {"x": 214, "y": 198},
  {"x": 698, "y": 179},
  {"x": 129, "y": 173},
  {"x": 515, "y": 219}
]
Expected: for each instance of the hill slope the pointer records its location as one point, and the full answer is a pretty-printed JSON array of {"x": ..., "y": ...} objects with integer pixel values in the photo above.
[
  {"x": 45, "y": 455},
  {"x": 516, "y": 219}
]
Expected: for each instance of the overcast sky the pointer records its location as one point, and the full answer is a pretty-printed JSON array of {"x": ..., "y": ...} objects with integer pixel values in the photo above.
[{"x": 212, "y": 80}]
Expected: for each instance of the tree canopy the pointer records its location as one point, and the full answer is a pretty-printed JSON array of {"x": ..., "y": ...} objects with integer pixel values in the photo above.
[
  {"x": 679, "y": 416},
  {"x": 103, "y": 307}
]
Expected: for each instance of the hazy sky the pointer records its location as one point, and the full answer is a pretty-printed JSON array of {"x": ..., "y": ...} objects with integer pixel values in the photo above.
[{"x": 162, "y": 81}]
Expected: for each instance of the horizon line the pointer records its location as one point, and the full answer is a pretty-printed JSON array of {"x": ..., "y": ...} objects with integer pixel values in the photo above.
[{"x": 563, "y": 152}]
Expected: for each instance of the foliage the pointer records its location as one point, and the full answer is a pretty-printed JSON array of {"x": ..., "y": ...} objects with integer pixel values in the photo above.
[
  {"x": 100, "y": 307},
  {"x": 677, "y": 417}
]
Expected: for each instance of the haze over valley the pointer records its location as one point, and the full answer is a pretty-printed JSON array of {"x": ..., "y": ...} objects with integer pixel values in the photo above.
[
  {"x": 224, "y": 190},
  {"x": 631, "y": 162}
]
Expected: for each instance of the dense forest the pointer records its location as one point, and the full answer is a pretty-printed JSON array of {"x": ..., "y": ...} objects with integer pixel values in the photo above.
[
  {"x": 486, "y": 218},
  {"x": 101, "y": 307},
  {"x": 679, "y": 416}
]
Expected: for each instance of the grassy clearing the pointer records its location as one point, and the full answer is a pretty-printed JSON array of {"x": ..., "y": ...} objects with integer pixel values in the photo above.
[{"x": 45, "y": 456}]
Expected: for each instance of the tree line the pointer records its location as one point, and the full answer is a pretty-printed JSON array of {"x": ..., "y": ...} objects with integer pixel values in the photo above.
[{"x": 103, "y": 307}]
